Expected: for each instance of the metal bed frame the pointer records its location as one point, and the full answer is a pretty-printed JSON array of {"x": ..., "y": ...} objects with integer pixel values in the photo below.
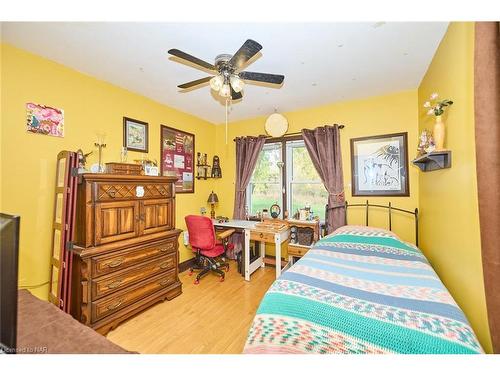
[{"x": 390, "y": 208}]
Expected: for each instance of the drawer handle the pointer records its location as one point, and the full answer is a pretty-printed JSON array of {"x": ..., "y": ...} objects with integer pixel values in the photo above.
[
  {"x": 165, "y": 249},
  {"x": 116, "y": 305},
  {"x": 115, "y": 263},
  {"x": 114, "y": 284},
  {"x": 112, "y": 192},
  {"x": 165, "y": 265},
  {"x": 165, "y": 282},
  {"x": 262, "y": 235}
]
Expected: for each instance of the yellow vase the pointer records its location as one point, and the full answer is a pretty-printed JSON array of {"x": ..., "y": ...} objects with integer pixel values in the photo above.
[{"x": 439, "y": 133}]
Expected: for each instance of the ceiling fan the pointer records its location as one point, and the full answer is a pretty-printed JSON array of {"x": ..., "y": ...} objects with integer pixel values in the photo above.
[{"x": 228, "y": 81}]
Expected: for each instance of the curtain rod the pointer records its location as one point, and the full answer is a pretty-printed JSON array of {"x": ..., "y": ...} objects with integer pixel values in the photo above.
[{"x": 291, "y": 134}]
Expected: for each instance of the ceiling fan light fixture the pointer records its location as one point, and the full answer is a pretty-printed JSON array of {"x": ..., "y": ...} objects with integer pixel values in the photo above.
[
  {"x": 237, "y": 83},
  {"x": 225, "y": 91},
  {"x": 216, "y": 82}
]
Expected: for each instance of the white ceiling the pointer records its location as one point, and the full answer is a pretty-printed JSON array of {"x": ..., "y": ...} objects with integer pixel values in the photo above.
[{"x": 322, "y": 62}]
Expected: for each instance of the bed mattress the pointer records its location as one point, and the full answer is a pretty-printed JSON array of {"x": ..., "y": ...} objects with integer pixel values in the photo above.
[{"x": 360, "y": 290}]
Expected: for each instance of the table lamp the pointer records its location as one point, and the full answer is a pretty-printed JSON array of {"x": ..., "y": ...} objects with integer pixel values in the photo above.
[{"x": 212, "y": 199}]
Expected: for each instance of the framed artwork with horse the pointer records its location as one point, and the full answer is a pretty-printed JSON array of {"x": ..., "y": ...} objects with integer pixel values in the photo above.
[{"x": 379, "y": 165}]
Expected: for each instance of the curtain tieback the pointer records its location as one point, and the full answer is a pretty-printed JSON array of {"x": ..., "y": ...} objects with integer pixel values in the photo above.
[{"x": 338, "y": 199}]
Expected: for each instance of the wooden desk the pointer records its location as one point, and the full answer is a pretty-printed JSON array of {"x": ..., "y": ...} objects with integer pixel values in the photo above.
[{"x": 262, "y": 236}]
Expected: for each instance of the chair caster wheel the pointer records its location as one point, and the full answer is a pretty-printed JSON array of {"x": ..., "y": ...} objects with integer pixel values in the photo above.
[
  {"x": 190, "y": 273},
  {"x": 221, "y": 279},
  {"x": 196, "y": 282}
]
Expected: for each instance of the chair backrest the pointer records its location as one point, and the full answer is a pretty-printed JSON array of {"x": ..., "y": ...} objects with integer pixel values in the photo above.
[{"x": 201, "y": 232}]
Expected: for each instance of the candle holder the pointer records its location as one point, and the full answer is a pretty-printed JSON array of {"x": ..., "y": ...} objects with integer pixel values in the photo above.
[{"x": 100, "y": 145}]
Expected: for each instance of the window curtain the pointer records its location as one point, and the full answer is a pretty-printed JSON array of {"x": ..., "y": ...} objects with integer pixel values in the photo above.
[
  {"x": 487, "y": 130},
  {"x": 247, "y": 153},
  {"x": 323, "y": 145}
]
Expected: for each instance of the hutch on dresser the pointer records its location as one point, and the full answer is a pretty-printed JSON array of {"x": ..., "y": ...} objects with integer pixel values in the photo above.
[{"x": 126, "y": 248}]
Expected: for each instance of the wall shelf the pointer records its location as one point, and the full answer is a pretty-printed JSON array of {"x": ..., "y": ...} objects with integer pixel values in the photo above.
[
  {"x": 433, "y": 161},
  {"x": 206, "y": 174}
]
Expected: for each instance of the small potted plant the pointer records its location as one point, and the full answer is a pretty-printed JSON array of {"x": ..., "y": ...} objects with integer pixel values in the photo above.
[{"x": 436, "y": 108}]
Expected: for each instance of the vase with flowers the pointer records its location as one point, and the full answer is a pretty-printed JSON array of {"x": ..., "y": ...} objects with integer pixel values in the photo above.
[{"x": 436, "y": 108}]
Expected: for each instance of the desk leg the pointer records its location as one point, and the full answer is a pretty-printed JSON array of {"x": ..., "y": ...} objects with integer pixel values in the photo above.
[
  {"x": 247, "y": 255},
  {"x": 277, "y": 243},
  {"x": 262, "y": 246}
]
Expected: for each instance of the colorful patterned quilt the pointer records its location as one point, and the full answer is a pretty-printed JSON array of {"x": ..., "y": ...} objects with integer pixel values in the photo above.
[{"x": 360, "y": 290}]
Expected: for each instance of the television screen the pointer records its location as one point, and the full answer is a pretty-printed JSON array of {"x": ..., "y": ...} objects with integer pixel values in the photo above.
[{"x": 9, "y": 247}]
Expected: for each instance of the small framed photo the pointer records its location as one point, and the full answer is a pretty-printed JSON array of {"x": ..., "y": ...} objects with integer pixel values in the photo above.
[
  {"x": 379, "y": 165},
  {"x": 135, "y": 135}
]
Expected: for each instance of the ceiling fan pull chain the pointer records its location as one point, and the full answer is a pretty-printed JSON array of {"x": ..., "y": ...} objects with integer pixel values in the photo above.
[{"x": 227, "y": 100}]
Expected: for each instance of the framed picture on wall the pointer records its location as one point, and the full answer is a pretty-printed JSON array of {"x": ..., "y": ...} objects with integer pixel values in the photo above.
[
  {"x": 379, "y": 165},
  {"x": 177, "y": 157},
  {"x": 135, "y": 135}
]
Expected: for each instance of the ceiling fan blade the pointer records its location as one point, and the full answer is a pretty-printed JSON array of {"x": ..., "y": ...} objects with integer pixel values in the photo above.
[
  {"x": 262, "y": 77},
  {"x": 249, "y": 49},
  {"x": 192, "y": 59},
  {"x": 235, "y": 95},
  {"x": 194, "y": 83}
]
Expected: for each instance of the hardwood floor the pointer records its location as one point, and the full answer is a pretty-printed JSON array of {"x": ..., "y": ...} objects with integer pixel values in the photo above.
[{"x": 212, "y": 317}]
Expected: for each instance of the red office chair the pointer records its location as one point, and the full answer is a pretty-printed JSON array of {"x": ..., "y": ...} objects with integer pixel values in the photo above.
[{"x": 202, "y": 239}]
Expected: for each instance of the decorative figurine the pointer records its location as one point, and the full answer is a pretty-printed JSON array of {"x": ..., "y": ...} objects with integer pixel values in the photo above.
[
  {"x": 198, "y": 158},
  {"x": 123, "y": 155},
  {"x": 82, "y": 160},
  {"x": 426, "y": 143},
  {"x": 216, "y": 170}
]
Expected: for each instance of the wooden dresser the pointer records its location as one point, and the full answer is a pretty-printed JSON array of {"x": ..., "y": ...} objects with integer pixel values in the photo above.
[{"x": 126, "y": 248}]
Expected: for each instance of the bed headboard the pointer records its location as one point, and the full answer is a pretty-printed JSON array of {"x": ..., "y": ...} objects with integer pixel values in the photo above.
[{"x": 390, "y": 209}]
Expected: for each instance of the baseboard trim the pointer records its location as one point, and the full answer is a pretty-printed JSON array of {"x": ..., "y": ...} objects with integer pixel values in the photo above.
[{"x": 184, "y": 266}]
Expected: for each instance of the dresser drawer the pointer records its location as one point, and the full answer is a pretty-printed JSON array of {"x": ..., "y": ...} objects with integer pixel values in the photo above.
[
  {"x": 261, "y": 236},
  {"x": 105, "y": 264},
  {"x": 119, "y": 300},
  {"x": 118, "y": 280},
  {"x": 297, "y": 251},
  {"x": 105, "y": 191}
]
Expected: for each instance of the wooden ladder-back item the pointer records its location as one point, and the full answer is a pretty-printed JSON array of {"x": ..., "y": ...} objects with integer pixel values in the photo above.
[
  {"x": 62, "y": 229},
  {"x": 71, "y": 216}
]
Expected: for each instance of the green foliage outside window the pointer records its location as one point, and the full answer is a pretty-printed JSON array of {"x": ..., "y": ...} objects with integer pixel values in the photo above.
[{"x": 304, "y": 185}]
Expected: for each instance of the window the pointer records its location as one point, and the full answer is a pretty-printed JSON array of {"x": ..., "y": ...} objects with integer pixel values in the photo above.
[
  {"x": 264, "y": 188},
  {"x": 304, "y": 186},
  {"x": 284, "y": 174}
]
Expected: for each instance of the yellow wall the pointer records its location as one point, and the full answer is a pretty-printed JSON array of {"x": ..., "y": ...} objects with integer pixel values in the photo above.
[
  {"x": 372, "y": 116},
  {"x": 90, "y": 106},
  {"x": 448, "y": 198}
]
